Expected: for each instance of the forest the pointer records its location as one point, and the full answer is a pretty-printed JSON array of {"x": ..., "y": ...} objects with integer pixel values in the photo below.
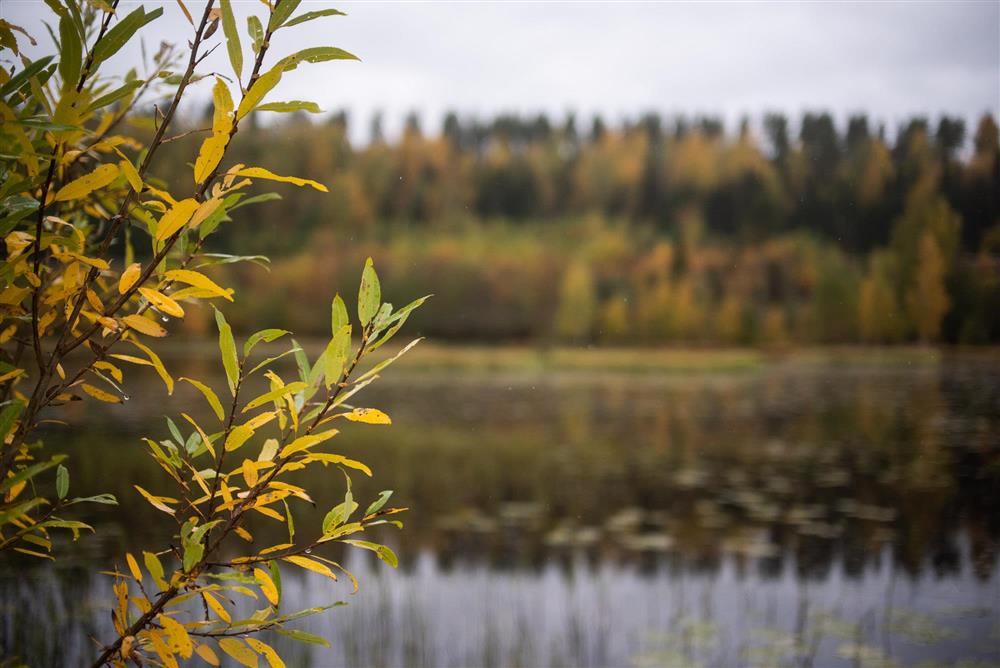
[{"x": 653, "y": 230}]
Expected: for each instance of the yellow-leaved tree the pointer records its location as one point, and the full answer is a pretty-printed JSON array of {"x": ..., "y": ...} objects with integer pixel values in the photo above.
[{"x": 77, "y": 312}]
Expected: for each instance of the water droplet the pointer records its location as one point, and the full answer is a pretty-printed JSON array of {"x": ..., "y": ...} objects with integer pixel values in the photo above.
[
  {"x": 164, "y": 318},
  {"x": 309, "y": 550},
  {"x": 125, "y": 397}
]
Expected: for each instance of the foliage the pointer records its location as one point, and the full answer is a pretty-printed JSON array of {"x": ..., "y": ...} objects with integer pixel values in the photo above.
[{"x": 101, "y": 256}]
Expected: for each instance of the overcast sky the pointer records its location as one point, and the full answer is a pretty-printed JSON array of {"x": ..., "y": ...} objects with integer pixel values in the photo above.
[{"x": 891, "y": 59}]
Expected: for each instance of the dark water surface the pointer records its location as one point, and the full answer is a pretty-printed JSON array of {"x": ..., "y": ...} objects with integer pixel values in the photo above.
[{"x": 799, "y": 515}]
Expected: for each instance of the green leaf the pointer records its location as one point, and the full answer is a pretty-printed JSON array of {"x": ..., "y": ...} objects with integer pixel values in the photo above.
[
  {"x": 292, "y": 105},
  {"x": 369, "y": 294},
  {"x": 276, "y": 393},
  {"x": 8, "y": 416},
  {"x": 263, "y": 197},
  {"x": 18, "y": 511},
  {"x": 232, "y": 38},
  {"x": 103, "y": 499},
  {"x": 256, "y": 31},
  {"x": 301, "y": 361},
  {"x": 70, "y": 54},
  {"x": 30, "y": 472},
  {"x": 272, "y": 565},
  {"x": 289, "y": 521},
  {"x": 261, "y": 87},
  {"x": 62, "y": 482},
  {"x": 316, "y": 54},
  {"x": 122, "y": 32},
  {"x": 227, "y": 346},
  {"x": 192, "y": 554},
  {"x": 405, "y": 311},
  {"x": 309, "y": 16},
  {"x": 281, "y": 13},
  {"x": 222, "y": 258},
  {"x": 269, "y": 360},
  {"x": 386, "y": 362},
  {"x": 66, "y": 524},
  {"x": 382, "y": 551},
  {"x": 265, "y": 335},
  {"x": 302, "y": 636},
  {"x": 342, "y": 511},
  {"x": 175, "y": 432},
  {"x": 377, "y": 504},
  {"x": 115, "y": 95},
  {"x": 336, "y": 354},
  {"x": 388, "y": 335},
  {"x": 338, "y": 315},
  {"x": 22, "y": 77}
]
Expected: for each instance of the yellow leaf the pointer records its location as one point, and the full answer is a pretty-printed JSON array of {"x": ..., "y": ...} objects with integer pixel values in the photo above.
[
  {"x": 209, "y": 156},
  {"x": 368, "y": 416},
  {"x": 210, "y": 396},
  {"x": 11, "y": 374},
  {"x": 216, "y": 607},
  {"x": 162, "y": 194},
  {"x": 115, "y": 372},
  {"x": 312, "y": 565},
  {"x": 154, "y": 359},
  {"x": 158, "y": 502},
  {"x": 144, "y": 325},
  {"x": 258, "y": 90},
  {"x": 236, "y": 649},
  {"x": 268, "y": 512},
  {"x": 176, "y": 217},
  {"x": 131, "y": 358},
  {"x": 162, "y": 649},
  {"x": 97, "y": 263},
  {"x": 100, "y": 394},
  {"x": 198, "y": 280},
  {"x": 201, "y": 432},
  {"x": 266, "y": 585},
  {"x": 305, "y": 442},
  {"x": 87, "y": 184},
  {"x": 244, "y": 534},
  {"x": 337, "y": 459},
  {"x": 129, "y": 277},
  {"x": 133, "y": 567},
  {"x": 187, "y": 14},
  {"x": 132, "y": 175},
  {"x": 222, "y": 118},
  {"x": 249, "y": 473},
  {"x": 162, "y": 302},
  {"x": 205, "y": 209},
  {"x": 268, "y": 652},
  {"x": 155, "y": 569},
  {"x": 95, "y": 301},
  {"x": 261, "y": 173},
  {"x": 207, "y": 654},
  {"x": 177, "y": 637},
  {"x": 237, "y": 437}
]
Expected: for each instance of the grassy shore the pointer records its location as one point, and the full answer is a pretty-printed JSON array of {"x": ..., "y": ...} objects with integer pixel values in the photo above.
[{"x": 436, "y": 356}]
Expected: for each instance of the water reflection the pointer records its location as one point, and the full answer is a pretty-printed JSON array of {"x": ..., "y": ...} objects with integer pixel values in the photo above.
[{"x": 799, "y": 515}]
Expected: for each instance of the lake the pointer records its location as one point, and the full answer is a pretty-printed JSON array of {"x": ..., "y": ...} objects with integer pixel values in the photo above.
[{"x": 818, "y": 512}]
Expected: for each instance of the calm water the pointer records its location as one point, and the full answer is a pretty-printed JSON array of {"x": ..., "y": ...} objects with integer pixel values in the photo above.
[{"x": 800, "y": 515}]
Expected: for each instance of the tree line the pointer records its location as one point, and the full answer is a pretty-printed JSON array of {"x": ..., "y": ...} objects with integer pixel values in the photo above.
[{"x": 658, "y": 229}]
